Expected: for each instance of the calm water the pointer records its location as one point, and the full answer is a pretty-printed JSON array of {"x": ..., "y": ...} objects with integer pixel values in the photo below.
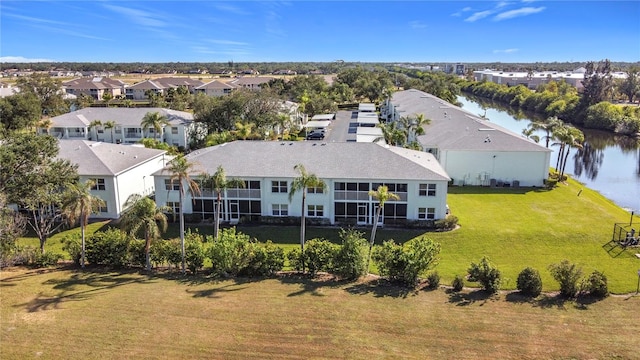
[{"x": 608, "y": 163}]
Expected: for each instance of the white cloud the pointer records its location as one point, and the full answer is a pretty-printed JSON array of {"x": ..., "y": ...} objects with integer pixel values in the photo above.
[
  {"x": 139, "y": 17},
  {"x": 478, "y": 15},
  {"x": 518, "y": 12},
  {"x": 506, "y": 51},
  {"x": 21, "y": 59},
  {"x": 230, "y": 9},
  {"x": 227, "y": 42},
  {"x": 417, "y": 24}
]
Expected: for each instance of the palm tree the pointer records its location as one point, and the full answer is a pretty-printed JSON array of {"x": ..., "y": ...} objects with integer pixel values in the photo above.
[
  {"x": 301, "y": 184},
  {"x": 218, "y": 182},
  {"x": 79, "y": 204},
  {"x": 391, "y": 134},
  {"x": 547, "y": 126},
  {"x": 243, "y": 131},
  {"x": 573, "y": 139},
  {"x": 180, "y": 169},
  {"x": 95, "y": 124},
  {"x": 155, "y": 121},
  {"x": 142, "y": 214},
  {"x": 110, "y": 125},
  {"x": 383, "y": 195}
]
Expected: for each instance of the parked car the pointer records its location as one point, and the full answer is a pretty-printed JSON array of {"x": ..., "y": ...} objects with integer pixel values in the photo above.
[{"x": 315, "y": 136}]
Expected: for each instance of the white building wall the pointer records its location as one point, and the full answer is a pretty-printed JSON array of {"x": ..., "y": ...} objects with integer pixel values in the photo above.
[
  {"x": 478, "y": 167},
  {"x": 108, "y": 195}
]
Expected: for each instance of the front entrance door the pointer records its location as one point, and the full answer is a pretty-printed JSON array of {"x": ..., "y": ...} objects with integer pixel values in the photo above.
[
  {"x": 234, "y": 211},
  {"x": 363, "y": 213}
]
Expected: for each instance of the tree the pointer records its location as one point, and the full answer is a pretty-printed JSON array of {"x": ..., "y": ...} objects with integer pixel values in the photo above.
[
  {"x": 597, "y": 83},
  {"x": 142, "y": 214},
  {"x": 391, "y": 134},
  {"x": 412, "y": 126},
  {"x": 382, "y": 194},
  {"x": 155, "y": 121},
  {"x": 548, "y": 127},
  {"x": 109, "y": 125},
  {"x": 95, "y": 124},
  {"x": 12, "y": 226},
  {"x": 48, "y": 90},
  {"x": 32, "y": 178},
  {"x": 567, "y": 275},
  {"x": 180, "y": 169},
  {"x": 19, "y": 112},
  {"x": 486, "y": 274},
  {"x": 631, "y": 85},
  {"x": 78, "y": 205},
  {"x": 218, "y": 182},
  {"x": 243, "y": 130},
  {"x": 301, "y": 184}
]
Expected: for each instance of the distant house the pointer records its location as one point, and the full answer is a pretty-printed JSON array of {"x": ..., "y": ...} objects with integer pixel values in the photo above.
[
  {"x": 251, "y": 82},
  {"x": 215, "y": 88},
  {"x": 95, "y": 87},
  {"x": 472, "y": 151},
  {"x": 160, "y": 86},
  {"x": 285, "y": 72},
  {"x": 127, "y": 130},
  {"x": 118, "y": 171},
  {"x": 350, "y": 170}
]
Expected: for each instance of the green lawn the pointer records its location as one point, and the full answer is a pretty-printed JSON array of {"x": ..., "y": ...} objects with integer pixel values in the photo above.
[
  {"x": 514, "y": 227},
  {"x": 68, "y": 314}
]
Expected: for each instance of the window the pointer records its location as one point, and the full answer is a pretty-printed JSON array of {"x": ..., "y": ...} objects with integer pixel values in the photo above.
[
  {"x": 98, "y": 184},
  {"x": 279, "y": 187},
  {"x": 426, "y": 213},
  {"x": 174, "y": 130},
  {"x": 427, "y": 190},
  {"x": 171, "y": 185},
  {"x": 103, "y": 208},
  {"x": 315, "y": 190},
  {"x": 174, "y": 206},
  {"x": 279, "y": 209},
  {"x": 315, "y": 210}
]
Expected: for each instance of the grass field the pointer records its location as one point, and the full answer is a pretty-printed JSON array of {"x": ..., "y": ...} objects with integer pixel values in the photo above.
[
  {"x": 516, "y": 228},
  {"x": 67, "y": 314}
]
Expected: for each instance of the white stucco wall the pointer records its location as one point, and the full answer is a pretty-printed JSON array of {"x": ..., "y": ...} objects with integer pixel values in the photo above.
[{"x": 470, "y": 167}]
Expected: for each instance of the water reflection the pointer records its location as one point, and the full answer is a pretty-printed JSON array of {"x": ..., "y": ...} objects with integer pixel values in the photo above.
[{"x": 608, "y": 163}]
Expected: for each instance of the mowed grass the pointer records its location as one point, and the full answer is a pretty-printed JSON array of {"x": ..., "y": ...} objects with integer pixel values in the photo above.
[
  {"x": 68, "y": 314},
  {"x": 515, "y": 228}
]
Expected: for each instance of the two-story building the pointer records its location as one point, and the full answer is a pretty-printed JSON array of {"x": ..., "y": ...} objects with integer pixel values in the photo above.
[
  {"x": 349, "y": 170},
  {"x": 139, "y": 90},
  {"x": 126, "y": 125},
  {"x": 215, "y": 88},
  {"x": 95, "y": 87}
]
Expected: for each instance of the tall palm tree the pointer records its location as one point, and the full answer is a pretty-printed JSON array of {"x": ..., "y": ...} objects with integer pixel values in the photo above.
[
  {"x": 300, "y": 184},
  {"x": 180, "y": 169},
  {"x": 391, "y": 134},
  {"x": 79, "y": 204},
  {"x": 155, "y": 121},
  {"x": 574, "y": 139},
  {"x": 142, "y": 214},
  {"x": 547, "y": 126},
  {"x": 110, "y": 125},
  {"x": 218, "y": 182},
  {"x": 94, "y": 125},
  {"x": 383, "y": 195}
]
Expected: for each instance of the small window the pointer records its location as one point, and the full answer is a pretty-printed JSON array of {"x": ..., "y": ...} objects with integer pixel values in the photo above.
[
  {"x": 427, "y": 190},
  {"x": 279, "y": 209},
  {"x": 315, "y": 210},
  {"x": 98, "y": 184},
  {"x": 174, "y": 130},
  {"x": 279, "y": 187},
  {"x": 174, "y": 206},
  {"x": 426, "y": 213},
  {"x": 171, "y": 185},
  {"x": 103, "y": 208},
  {"x": 315, "y": 190}
]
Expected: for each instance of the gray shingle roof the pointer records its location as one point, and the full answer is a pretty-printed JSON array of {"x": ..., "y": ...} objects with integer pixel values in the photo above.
[
  {"x": 122, "y": 116},
  {"x": 104, "y": 159},
  {"x": 453, "y": 128},
  {"x": 216, "y": 84},
  {"x": 345, "y": 160}
]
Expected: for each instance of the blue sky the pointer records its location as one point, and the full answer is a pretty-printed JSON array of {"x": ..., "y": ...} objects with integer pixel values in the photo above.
[{"x": 366, "y": 31}]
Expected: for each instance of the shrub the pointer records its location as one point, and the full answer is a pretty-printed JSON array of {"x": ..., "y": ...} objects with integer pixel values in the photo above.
[
  {"x": 486, "y": 274},
  {"x": 433, "y": 280},
  {"x": 567, "y": 275},
  {"x": 265, "y": 260},
  {"x": 458, "y": 283},
  {"x": 294, "y": 256},
  {"x": 72, "y": 244},
  {"x": 194, "y": 253},
  {"x": 350, "y": 259},
  {"x": 135, "y": 253},
  {"x": 595, "y": 285},
  {"x": 47, "y": 259},
  {"x": 406, "y": 263},
  {"x": 319, "y": 255},
  {"x": 448, "y": 223},
  {"x": 166, "y": 251},
  {"x": 109, "y": 247},
  {"x": 529, "y": 282},
  {"x": 230, "y": 253}
]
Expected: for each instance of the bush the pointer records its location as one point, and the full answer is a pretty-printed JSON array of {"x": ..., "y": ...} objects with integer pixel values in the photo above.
[
  {"x": 448, "y": 223},
  {"x": 406, "y": 263},
  {"x": 47, "y": 259},
  {"x": 294, "y": 256},
  {"x": 230, "y": 253},
  {"x": 109, "y": 247},
  {"x": 319, "y": 255},
  {"x": 567, "y": 275},
  {"x": 166, "y": 251},
  {"x": 350, "y": 259},
  {"x": 458, "y": 283},
  {"x": 195, "y": 253},
  {"x": 595, "y": 285},
  {"x": 486, "y": 274},
  {"x": 433, "y": 280},
  {"x": 265, "y": 260},
  {"x": 529, "y": 282},
  {"x": 135, "y": 255},
  {"x": 72, "y": 244}
]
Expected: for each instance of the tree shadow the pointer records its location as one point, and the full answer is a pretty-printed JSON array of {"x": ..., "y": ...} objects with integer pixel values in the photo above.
[
  {"x": 381, "y": 288},
  {"x": 310, "y": 284},
  {"x": 214, "y": 293},
  {"x": 461, "y": 298}
]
